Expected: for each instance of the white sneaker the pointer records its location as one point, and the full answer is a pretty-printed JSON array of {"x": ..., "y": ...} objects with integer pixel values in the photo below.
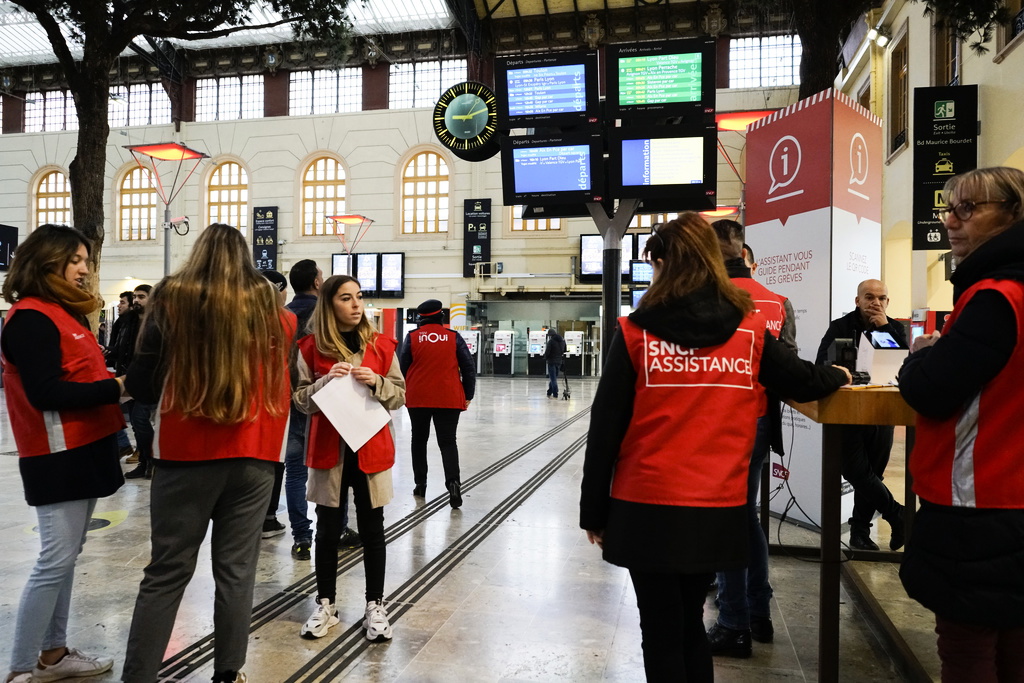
[
  {"x": 75, "y": 664},
  {"x": 376, "y": 622},
  {"x": 325, "y": 616},
  {"x": 25, "y": 677}
]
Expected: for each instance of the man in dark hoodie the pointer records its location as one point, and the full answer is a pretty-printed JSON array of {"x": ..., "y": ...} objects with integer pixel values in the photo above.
[
  {"x": 554, "y": 353},
  {"x": 744, "y": 595}
]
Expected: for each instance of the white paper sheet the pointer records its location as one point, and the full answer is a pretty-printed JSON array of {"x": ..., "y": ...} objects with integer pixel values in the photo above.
[{"x": 352, "y": 409}]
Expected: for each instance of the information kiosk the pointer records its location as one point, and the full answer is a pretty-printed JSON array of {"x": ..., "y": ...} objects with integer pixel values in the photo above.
[
  {"x": 574, "y": 352},
  {"x": 504, "y": 344},
  {"x": 535, "y": 364}
]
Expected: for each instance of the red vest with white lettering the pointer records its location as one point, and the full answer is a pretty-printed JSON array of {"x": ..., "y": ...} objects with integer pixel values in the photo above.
[
  {"x": 262, "y": 436},
  {"x": 433, "y": 379},
  {"x": 323, "y": 443},
  {"x": 771, "y": 305},
  {"x": 694, "y": 417},
  {"x": 38, "y": 432},
  {"x": 973, "y": 458}
]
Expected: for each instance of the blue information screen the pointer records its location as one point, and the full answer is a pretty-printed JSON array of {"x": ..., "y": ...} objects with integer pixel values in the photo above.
[
  {"x": 547, "y": 90},
  {"x": 552, "y": 169},
  {"x": 663, "y": 161}
]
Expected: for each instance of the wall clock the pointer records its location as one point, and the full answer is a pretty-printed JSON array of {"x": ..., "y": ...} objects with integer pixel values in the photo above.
[{"x": 465, "y": 121}]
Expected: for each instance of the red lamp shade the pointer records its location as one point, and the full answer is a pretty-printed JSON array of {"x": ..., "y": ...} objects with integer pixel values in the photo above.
[{"x": 739, "y": 120}]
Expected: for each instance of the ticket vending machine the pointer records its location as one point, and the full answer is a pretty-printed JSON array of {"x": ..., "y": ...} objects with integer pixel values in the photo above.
[
  {"x": 472, "y": 339},
  {"x": 574, "y": 352},
  {"x": 504, "y": 344},
  {"x": 535, "y": 364}
]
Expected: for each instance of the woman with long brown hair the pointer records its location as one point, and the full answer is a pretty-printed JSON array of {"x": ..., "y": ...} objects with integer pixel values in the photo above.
[
  {"x": 664, "y": 488},
  {"x": 214, "y": 356},
  {"x": 344, "y": 342},
  {"x": 63, "y": 407}
]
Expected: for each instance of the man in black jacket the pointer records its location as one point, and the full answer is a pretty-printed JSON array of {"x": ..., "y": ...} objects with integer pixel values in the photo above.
[
  {"x": 554, "y": 351},
  {"x": 866, "y": 448}
]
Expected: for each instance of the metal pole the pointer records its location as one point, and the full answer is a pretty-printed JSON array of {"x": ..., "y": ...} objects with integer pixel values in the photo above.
[{"x": 167, "y": 240}]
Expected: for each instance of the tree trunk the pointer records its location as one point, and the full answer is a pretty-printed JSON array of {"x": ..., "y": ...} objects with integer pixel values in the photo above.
[{"x": 88, "y": 168}]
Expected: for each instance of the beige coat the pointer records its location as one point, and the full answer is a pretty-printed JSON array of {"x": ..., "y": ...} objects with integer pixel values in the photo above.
[{"x": 324, "y": 486}]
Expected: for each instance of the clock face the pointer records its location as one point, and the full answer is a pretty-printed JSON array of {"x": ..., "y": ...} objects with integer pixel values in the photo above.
[{"x": 465, "y": 121}]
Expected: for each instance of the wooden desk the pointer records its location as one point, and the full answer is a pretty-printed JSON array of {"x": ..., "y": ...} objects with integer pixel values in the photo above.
[{"x": 848, "y": 406}]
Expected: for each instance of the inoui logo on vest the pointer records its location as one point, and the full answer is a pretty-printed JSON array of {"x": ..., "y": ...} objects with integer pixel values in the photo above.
[
  {"x": 674, "y": 365},
  {"x": 433, "y": 337}
]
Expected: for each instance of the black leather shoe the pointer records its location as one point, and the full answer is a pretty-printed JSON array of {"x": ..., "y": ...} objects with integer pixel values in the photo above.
[
  {"x": 761, "y": 629},
  {"x": 139, "y": 472},
  {"x": 728, "y": 642},
  {"x": 454, "y": 494},
  {"x": 420, "y": 491},
  {"x": 861, "y": 541},
  {"x": 898, "y": 537}
]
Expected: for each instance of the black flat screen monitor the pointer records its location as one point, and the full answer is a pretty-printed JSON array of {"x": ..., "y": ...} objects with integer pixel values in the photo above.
[
  {"x": 392, "y": 275},
  {"x": 366, "y": 272},
  {"x": 557, "y": 90},
  {"x": 557, "y": 169},
  {"x": 664, "y": 162},
  {"x": 635, "y": 296},
  {"x": 341, "y": 264},
  {"x": 640, "y": 271},
  {"x": 668, "y": 78},
  {"x": 592, "y": 257}
]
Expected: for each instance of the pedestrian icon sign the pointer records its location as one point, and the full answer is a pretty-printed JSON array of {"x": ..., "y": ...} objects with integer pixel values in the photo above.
[{"x": 945, "y": 109}]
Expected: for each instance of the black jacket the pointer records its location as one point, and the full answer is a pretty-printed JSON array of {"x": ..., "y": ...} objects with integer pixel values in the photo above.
[
  {"x": 966, "y": 564},
  {"x": 554, "y": 347},
  {"x": 122, "y": 341},
  {"x": 664, "y": 537}
]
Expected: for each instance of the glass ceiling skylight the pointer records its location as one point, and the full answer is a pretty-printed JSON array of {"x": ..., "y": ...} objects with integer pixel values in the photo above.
[{"x": 24, "y": 41}]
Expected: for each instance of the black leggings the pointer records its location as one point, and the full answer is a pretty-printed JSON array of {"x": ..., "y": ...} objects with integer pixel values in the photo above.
[
  {"x": 371, "y": 531},
  {"x": 671, "y": 608}
]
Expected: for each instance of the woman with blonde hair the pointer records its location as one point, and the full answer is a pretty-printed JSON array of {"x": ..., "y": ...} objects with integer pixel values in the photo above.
[
  {"x": 344, "y": 343},
  {"x": 223, "y": 399},
  {"x": 664, "y": 489},
  {"x": 63, "y": 409}
]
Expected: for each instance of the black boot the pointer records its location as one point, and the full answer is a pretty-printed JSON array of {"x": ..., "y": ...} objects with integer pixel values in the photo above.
[
  {"x": 729, "y": 642},
  {"x": 138, "y": 473},
  {"x": 454, "y": 494},
  {"x": 898, "y": 537},
  {"x": 860, "y": 539}
]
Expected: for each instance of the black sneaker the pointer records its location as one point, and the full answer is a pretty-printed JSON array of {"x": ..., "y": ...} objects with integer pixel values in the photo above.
[
  {"x": 349, "y": 539},
  {"x": 728, "y": 642},
  {"x": 454, "y": 494},
  {"x": 761, "y": 629},
  {"x": 139, "y": 472},
  {"x": 300, "y": 550},
  {"x": 860, "y": 540},
  {"x": 272, "y": 527}
]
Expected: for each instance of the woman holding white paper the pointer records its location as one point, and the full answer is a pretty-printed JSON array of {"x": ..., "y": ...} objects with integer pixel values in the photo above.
[{"x": 343, "y": 344}]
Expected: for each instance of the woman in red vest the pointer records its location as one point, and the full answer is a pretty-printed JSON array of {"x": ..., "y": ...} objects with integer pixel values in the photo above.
[
  {"x": 965, "y": 558},
  {"x": 214, "y": 356},
  {"x": 63, "y": 407},
  {"x": 344, "y": 343},
  {"x": 664, "y": 488}
]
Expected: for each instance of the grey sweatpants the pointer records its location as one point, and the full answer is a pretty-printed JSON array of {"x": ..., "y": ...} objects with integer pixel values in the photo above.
[{"x": 231, "y": 493}]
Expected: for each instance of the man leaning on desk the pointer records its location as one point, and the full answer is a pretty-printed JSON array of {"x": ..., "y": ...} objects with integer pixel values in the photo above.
[{"x": 866, "y": 447}]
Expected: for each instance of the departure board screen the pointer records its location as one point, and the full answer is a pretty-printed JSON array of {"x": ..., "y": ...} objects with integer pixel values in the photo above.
[
  {"x": 660, "y": 79},
  {"x": 552, "y": 169},
  {"x": 547, "y": 90}
]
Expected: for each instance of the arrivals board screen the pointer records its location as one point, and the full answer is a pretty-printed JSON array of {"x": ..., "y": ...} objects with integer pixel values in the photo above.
[{"x": 657, "y": 79}]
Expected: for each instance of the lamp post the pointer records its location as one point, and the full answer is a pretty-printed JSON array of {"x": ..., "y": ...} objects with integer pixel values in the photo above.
[
  {"x": 167, "y": 151},
  {"x": 361, "y": 223}
]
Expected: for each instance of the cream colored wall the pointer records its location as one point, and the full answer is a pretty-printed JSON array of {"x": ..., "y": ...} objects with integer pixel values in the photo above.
[
  {"x": 373, "y": 147},
  {"x": 915, "y": 279}
]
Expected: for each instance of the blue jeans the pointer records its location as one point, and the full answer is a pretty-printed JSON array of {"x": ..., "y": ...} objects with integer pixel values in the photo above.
[
  {"x": 122, "y": 439},
  {"x": 45, "y": 602},
  {"x": 295, "y": 476},
  {"x": 553, "y": 369},
  {"x": 743, "y": 593}
]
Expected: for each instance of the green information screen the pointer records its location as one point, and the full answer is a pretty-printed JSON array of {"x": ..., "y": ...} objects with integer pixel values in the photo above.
[{"x": 659, "y": 79}]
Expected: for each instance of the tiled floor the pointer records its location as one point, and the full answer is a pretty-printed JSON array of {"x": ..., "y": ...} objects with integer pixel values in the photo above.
[{"x": 505, "y": 589}]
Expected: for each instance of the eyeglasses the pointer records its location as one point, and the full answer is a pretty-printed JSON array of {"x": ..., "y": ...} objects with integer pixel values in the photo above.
[
  {"x": 654, "y": 235},
  {"x": 965, "y": 209}
]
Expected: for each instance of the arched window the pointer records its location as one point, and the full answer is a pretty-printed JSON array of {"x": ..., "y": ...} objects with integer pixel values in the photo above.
[
  {"x": 323, "y": 194},
  {"x": 227, "y": 196},
  {"x": 425, "y": 188},
  {"x": 138, "y": 218},
  {"x": 53, "y": 199}
]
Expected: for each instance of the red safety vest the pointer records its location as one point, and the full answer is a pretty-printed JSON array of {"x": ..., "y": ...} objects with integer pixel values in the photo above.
[
  {"x": 972, "y": 458},
  {"x": 195, "y": 439},
  {"x": 39, "y": 432},
  {"x": 323, "y": 443},
  {"x": 433, "y": 379},
  {"x": 694, "y": 419},
  {"x": 766, "y": 301}
]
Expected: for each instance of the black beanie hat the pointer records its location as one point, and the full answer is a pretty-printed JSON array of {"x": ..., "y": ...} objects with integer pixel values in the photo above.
[{"x": 430, "y": 308}]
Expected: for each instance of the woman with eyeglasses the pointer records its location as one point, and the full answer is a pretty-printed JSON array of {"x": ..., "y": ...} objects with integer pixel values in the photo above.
[
  {"x": 664, "y": 488},
  {"x": 965, "y": 558}
]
